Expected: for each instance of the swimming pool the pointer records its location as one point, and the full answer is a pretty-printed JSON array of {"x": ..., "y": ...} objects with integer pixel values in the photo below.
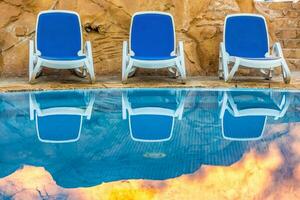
[{"x": 158, "y": 142}]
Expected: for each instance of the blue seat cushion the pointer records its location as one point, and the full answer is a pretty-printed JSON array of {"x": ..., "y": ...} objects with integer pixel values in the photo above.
[
  {"x": 69, "y": 58},
  {"x": 59, "y": 127},
  {"x": 58, "y": 35},
  {"x": 153, "y": 58},
  {"x": 246, "y": 127},
  {"x": 151, "y": 127},
  {"x": 246, "y": 36},
  {"x": 152, "y": 36}
]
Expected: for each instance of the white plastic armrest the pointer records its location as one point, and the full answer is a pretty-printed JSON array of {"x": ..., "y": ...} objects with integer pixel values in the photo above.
[
  {"x": 125, "y": 50},
  {"x": 233, "y": 105},
  {"x": 88, "y": 49},
  {"x": 124, "y": 114},
  {"x": 277, "y": 50},
  {"x": 285, "y": 106},
  {"x": 225, "y": 54},
  {"x": 223, "y": 105},
  {"x": 125, "y": 46},
  {"x": 31, "y": 107},
  {"x": 180, "y": 109},
  {"x": 125, "y": 57},
  {"x": 282, "y": 103},
  {"x": 90, "y": 106},
  {"x": 180, "y": 48},
  {"x": 32, "y": 49},
  {"x": 31, "y": 45}
]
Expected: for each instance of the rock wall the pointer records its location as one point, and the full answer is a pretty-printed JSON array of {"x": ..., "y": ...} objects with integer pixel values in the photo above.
[{"x": 106, "y": 23}]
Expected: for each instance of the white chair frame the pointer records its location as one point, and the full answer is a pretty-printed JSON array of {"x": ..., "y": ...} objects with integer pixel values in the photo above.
[
  {"x": 130, "y": 64},
  {"x": 36, "y": 63},
  {"x": 227, "y": 103},
  {"x": 126, "y": 107},
  {"x": 225, "y": 59},
  {"x": 35, "y": 110}
]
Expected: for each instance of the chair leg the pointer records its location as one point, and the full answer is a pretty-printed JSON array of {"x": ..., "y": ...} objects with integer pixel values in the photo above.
[
  {"x": 132, "y": 72},
  {"x": 271, "y": 71},
  {"x": 31, "y": 59},
  {"x": 126, "y": 69},
  {"x": 223, "y": 104},
  {"x": 125, "y": 60},
  {"x": 124, "y": 111},
  {"x": 80, "y": 72},
  {"x": 31, "y": 107},
  {"x": 286, "y": 74},
  {"x": 90, "y": 68},
  {"x": 221, "y": 72},
  {"x": 225, "y": 70},
  {"x": 173, "y": 72},
  {"x": 181, "y": 62},
  {"x": 233, "y": 70},
  {"x": 35, "y": 70},
  {"x": 181, "y": 70},
  {"x": 267, "y": 73}
]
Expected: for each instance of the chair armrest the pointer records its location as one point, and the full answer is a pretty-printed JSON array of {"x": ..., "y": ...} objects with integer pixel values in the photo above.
[
  {"x": 223, "y": 104},
  {"x": 31, "y": 45},
  {"x": 124, "y": 106},
  {"x": 32, "y": 51},
  {"x": 88, "y": 49},
  {"x": 180, "y": 108},
  {"x": 223, "y": 50},
  {"x": 125, "y": 48},
  {"x": 89, "y": 109},
  {"x": 180, "y": 48},
  {"x": 285, "y": 103},
  {"x": 277, "y": 50},
  {"x": 31, "y": 106}
]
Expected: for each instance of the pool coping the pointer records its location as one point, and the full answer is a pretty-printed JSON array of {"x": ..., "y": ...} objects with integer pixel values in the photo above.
[{"x": 110, "y": 82}]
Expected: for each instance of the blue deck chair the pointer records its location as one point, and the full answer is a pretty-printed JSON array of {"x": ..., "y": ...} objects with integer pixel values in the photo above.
[
  {"x": 152, "y": 120},
  {"x": 58, "y": 44},
  {"x": 246, "y": 43},
  {"x": 152, "y": 45},
  {"x": 58, "y": 116},
  {"x": 244, "y": 113}
]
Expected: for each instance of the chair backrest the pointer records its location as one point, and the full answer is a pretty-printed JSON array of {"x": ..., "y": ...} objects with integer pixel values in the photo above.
[
  {"x": 58, "y": 34},
  {"x": 246, "y": 35},
  {"x": 152, "y": 34},
  {"x": 243, "y": 128}
]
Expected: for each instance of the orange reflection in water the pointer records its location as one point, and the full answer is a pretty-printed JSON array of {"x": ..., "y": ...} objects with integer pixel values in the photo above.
[
  {"x": 255, "y": 176},
  {"x": 248, "y": 179}
]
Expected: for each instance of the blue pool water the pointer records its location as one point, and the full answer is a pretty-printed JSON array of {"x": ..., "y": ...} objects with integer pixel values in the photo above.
[{"x": 85, "y": 138}]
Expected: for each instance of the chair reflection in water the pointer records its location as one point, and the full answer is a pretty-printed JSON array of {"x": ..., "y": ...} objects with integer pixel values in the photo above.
[
  {"x": 58, "y": 115},
  {"x": 151, "y": 113},
  {"x": 244, "y": 113}
]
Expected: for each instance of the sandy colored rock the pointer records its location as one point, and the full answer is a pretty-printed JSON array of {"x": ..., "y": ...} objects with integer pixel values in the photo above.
[
  {"x": 106, "y": 24},
  {"x": 20, "y": 31}
]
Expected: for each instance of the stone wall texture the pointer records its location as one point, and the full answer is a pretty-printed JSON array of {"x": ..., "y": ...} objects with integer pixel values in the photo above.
[{"x": 199, "y": 23}]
